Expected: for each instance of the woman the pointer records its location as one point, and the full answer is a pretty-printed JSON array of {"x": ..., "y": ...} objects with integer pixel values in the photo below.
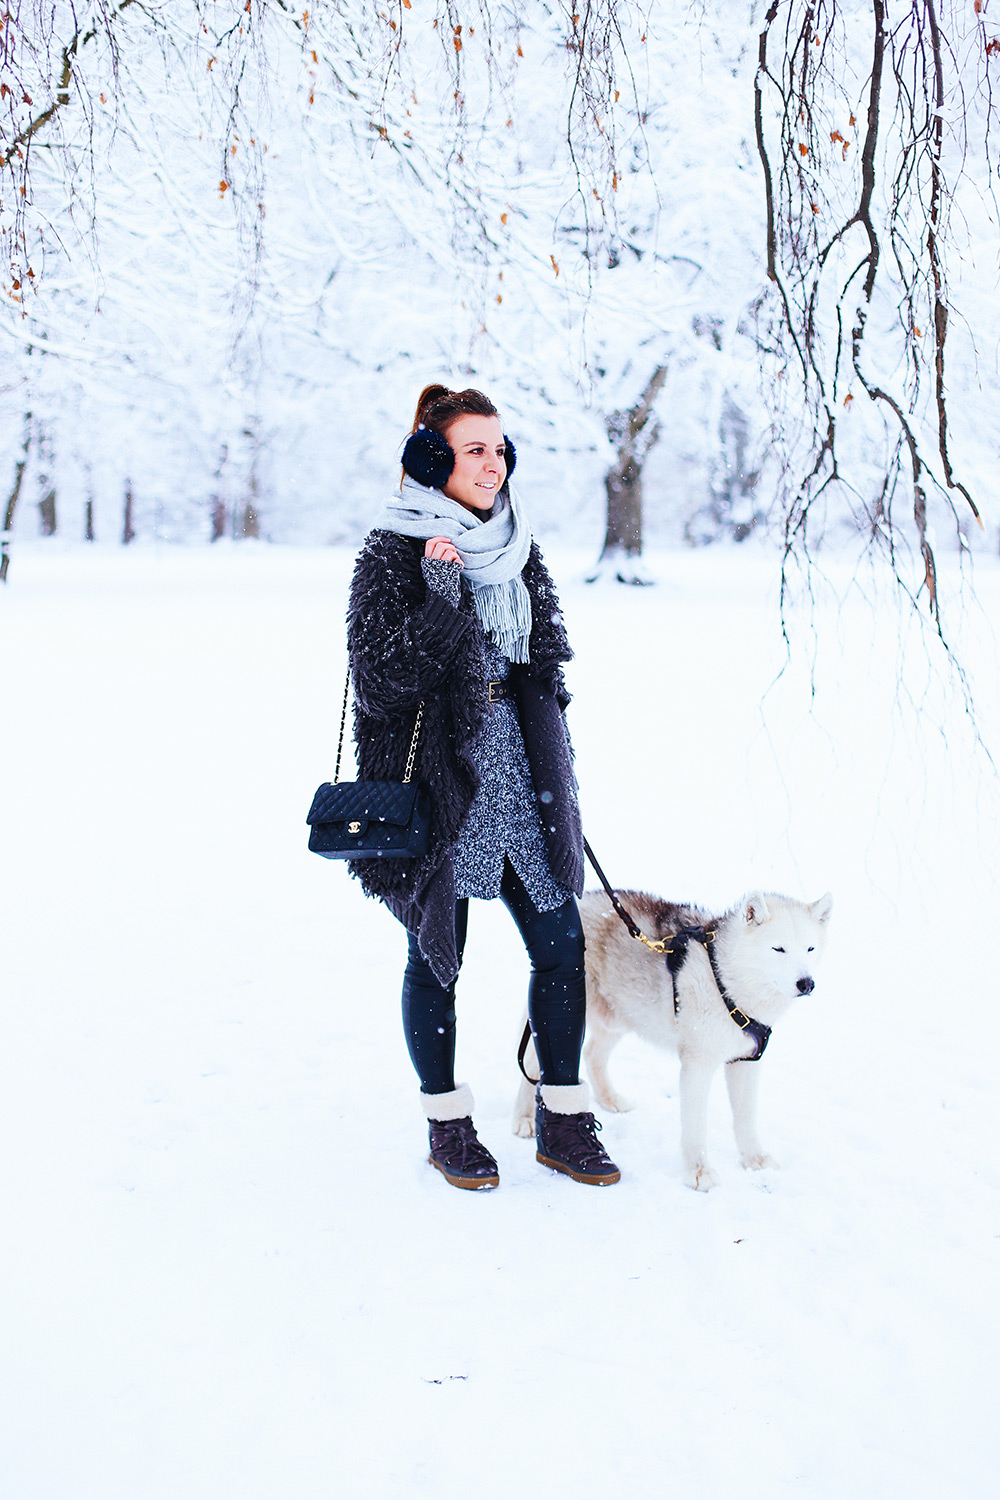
[{"x": 452, "y": 607}]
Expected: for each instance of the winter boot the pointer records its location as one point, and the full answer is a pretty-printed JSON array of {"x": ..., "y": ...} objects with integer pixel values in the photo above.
[
  {"x": 456, "y": 1150},
  {"x": 565, "y": 1135}
]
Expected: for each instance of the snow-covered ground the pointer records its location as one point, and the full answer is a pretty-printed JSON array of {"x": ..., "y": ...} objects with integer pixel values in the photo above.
[{"x": 228, "y": 1270}]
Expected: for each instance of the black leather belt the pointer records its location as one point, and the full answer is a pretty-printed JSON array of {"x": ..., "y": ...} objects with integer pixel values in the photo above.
[{"x": 497, "y": 691}]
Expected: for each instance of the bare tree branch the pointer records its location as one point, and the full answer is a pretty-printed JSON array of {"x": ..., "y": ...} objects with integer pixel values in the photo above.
[
  {"x": 61, "y": 92},
  {"x": 804, "y": 120}
]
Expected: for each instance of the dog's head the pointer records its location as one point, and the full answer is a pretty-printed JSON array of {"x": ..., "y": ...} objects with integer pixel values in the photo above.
[{"x": 779, "y": 940}]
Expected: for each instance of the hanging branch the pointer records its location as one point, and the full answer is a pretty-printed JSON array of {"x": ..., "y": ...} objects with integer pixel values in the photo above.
[
  {"x": 804, "y": 121},
  {"x": 22, "y": 41},
  {"x": 593, "y": 36},
  {"x": 938, "y": 199},
  {"x": 61, "y": 92}
]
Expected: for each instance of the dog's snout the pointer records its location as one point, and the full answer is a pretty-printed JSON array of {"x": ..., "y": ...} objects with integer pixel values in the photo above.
[{"x": 805, "y": 986}]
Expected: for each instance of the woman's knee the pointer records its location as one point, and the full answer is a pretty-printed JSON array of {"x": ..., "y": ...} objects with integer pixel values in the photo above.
[{"x": 560, "y": 948}]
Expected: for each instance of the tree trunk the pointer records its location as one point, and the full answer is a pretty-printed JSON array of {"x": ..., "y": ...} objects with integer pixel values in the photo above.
[
  {"x": 217, "y": 505},
  {"x": 46, "y": 485},
  {"x": 623, "y": 488},
  {"x": 12, "y": 499},
  {"x": 218, "y": 518},
  {"x": 634, "y": 435},
  {"x": 732, "y": 510},
  {"x": 250, "y": 520},
  {"x": 47, "y": 512},
  {"x": 250, "y": 524},
  {"x": 88, "y": 521},
  {"x": 128, "y": 528}
]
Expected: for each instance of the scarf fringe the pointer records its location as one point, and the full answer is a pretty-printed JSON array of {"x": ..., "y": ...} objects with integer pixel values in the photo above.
[{"x": 504, "y": 612}]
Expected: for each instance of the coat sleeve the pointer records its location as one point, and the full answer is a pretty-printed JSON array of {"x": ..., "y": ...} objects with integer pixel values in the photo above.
[{"x": 404, "y": 639}]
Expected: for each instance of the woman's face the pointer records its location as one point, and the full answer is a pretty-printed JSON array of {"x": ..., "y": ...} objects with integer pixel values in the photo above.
[{"x": 478, "y": 446}]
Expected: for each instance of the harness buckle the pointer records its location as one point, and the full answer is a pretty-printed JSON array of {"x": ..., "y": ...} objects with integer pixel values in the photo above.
[
  {"x": 498, "y": 697},
  {"x": 736, "y": 1012}
]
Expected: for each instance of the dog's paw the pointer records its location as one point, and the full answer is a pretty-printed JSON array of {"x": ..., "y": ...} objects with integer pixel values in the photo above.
[
  {"x": 524, "y": 1126},
  {"x": 615, "y": 1104},
  {"x": 756, "y": 1161},
  {"x": 701, "y": 1178}
]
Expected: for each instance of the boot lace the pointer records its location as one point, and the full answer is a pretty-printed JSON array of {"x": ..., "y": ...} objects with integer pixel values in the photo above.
[
  {"x": 457, "y": 1142},
  {"x": 566, "y": 1131}
]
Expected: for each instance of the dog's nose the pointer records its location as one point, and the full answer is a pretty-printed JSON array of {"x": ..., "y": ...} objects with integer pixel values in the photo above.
[{"x": 805, "y": 986}]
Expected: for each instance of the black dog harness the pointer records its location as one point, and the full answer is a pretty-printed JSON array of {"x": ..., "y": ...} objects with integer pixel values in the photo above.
[{"x": 675, "y": 950}]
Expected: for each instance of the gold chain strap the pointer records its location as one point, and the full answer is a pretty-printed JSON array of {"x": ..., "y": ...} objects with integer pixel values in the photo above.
[
  {"x": 413, "y": 742},
  {"x": 343, "y": 718}
]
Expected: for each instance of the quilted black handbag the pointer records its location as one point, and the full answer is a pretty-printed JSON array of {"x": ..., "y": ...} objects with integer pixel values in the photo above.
[{"x": 370, "y": 819}]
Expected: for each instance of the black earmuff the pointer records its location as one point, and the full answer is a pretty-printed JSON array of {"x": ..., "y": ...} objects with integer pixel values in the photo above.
[
  {"x": 509, "y": 455},
  {"x": 427, "y": 458}
]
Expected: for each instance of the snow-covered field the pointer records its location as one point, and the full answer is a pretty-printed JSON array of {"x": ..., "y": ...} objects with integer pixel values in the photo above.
[{"x": 228, "y": 1270}]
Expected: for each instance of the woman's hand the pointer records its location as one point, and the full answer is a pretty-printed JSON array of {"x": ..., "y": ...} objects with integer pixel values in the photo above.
[{"x": 441, "y": 550}]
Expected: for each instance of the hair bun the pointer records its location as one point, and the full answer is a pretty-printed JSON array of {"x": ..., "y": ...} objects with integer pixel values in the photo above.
[{"x": 427, "y": 398}]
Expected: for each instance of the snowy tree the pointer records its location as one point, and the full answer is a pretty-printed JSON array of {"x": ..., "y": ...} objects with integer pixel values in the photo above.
[{"x": 243, "y": 234}]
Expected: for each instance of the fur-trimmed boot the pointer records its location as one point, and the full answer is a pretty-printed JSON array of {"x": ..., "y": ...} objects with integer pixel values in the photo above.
[
  {"x": 456, "y": 1149},
  {"x": 565, "y": 1135}
]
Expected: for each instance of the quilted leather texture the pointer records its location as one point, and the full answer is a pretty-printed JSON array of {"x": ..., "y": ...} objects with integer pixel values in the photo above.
[
  {"x": 386, "y": 801},
  {"x": 369, "y": 820}
]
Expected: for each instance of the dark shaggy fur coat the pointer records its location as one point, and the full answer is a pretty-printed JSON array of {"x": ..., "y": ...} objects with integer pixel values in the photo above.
[{"x": 408, "y": 643}]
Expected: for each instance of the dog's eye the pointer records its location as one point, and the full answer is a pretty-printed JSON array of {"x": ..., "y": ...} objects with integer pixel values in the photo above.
[
  {"x": 811, "y": 950},
  {"x": 779, "y": 950}
]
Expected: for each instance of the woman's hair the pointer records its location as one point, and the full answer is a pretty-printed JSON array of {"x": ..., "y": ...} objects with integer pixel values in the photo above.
[
  {"x": 438, "y": 407},
  {"x": 427, "y": 455}
]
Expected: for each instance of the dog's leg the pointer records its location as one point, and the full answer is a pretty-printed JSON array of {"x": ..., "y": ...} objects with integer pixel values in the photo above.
[
  {"x": 743, "y": 1081},
  {"x": 601, "y": 1042},
  {"x": 523, "y": 1122},
  {"x": 696, "y": 1077}
]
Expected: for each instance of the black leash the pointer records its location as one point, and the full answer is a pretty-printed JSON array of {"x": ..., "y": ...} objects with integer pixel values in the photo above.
[
  {"x": 525, "y": 1039},
  {"x": 657, "y": 945}
]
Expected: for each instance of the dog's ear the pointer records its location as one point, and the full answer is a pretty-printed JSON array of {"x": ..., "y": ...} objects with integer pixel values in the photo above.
[
  {"x": 755, "y": 909},
  {"x": 822, "y": 908}
]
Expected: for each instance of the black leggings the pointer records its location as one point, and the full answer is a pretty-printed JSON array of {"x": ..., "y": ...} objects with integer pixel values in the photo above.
[{"x": 557, "y": 995}]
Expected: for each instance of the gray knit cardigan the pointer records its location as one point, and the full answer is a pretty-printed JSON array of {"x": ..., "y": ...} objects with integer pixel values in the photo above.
[{"x": 406, "y": 643}]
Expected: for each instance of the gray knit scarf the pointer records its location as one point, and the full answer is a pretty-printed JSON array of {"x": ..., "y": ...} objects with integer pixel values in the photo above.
[{"x": 493, "y": 552}]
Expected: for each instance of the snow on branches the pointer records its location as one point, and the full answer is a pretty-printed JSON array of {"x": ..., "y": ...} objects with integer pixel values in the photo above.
[{"x": 865, "y": 117}]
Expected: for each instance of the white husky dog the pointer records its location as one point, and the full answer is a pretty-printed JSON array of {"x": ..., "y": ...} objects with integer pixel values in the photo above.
[{"x": 764, "y": 951}]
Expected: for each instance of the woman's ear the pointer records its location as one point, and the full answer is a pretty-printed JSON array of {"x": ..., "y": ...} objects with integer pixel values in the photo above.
[{"x": 427, "y": 458}]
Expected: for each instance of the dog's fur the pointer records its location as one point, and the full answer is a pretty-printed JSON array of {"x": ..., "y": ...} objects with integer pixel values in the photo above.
[{"x": 765, "y": 949}]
